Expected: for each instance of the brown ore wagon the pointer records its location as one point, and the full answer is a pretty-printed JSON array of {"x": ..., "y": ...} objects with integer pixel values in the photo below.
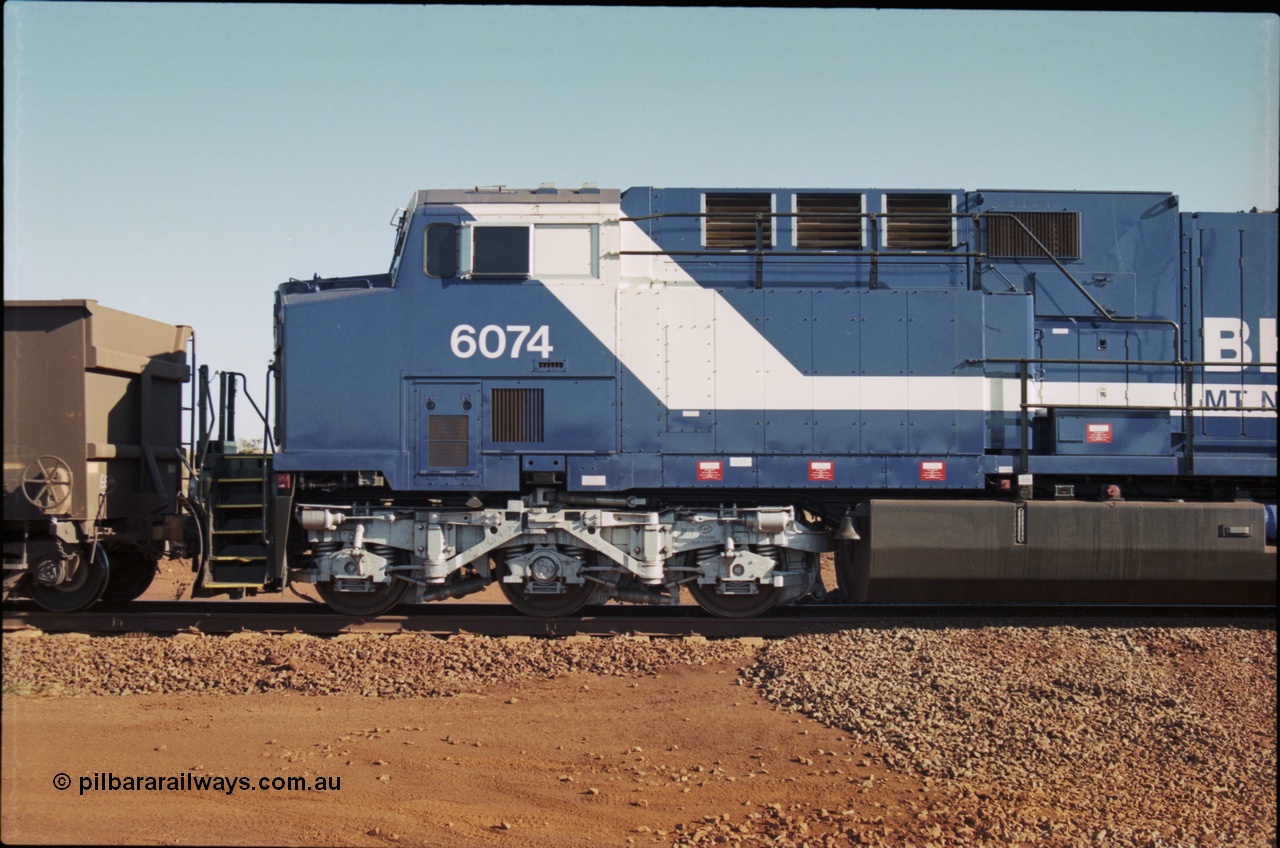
[{"x": 93, "y": 461}]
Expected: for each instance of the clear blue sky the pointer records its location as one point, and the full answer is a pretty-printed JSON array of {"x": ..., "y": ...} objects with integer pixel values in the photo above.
[{"x": 180, "y": 160}]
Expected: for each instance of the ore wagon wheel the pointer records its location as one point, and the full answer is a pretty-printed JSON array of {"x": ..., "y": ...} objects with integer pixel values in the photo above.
[
  {"x": 70, "y": 584},
  {"x": 46, "y": 483},
  {"x": 131, "y": 575},
  {"x": 364, "y": 604}
]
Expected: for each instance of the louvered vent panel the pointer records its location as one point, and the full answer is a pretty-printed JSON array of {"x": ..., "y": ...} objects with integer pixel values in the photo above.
[
  {"x": 828, "y": 221},
  {"x": 1057, "y": 231},
  {"x": 447, "y": 437},
  {"x": 731, "y": 220},
  {"x": 911, "y": 227},
  {"x": 517, "y": 415}
]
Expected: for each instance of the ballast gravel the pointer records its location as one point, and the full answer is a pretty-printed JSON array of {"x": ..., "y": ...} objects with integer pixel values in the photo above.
[
  {"x": 1059, "y": 736},
  {"x": 402, "y": 666}
]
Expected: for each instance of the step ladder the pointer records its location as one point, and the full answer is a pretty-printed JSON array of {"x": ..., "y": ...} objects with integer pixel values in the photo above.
[{"x": 237, "y": 513}]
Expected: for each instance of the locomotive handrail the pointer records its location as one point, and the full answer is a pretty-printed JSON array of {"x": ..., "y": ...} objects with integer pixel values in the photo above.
[
  {"x": 230, "y": 417},
  {"x": 1169, "y": 362},
  {"x": 201, "y": 448},
  {"x": 835, "y": 251},
  {"x": 1177, "y": 329},
  {"x": 1186, "y": 408},
  {"x": 1150, "y": 408},
  {"x": 191, "y": 410},
  {"x": 874, "y": 252}
]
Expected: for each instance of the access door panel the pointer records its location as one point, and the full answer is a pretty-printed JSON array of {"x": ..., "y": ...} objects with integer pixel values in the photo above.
[{"x": 445, "y": 423}]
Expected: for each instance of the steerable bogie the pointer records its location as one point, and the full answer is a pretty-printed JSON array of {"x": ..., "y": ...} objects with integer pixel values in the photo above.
[{"x": 553, "y": 559}]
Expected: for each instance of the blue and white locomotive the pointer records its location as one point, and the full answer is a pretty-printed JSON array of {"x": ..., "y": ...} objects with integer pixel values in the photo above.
[{"x": 591, "y": 394}]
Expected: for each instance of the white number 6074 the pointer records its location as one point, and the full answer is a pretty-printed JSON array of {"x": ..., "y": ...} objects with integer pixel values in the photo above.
[{"x": 491, "y": 340}]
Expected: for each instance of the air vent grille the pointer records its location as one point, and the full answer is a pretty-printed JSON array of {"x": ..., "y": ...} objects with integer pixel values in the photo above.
[
  {"x": 447, "y": 438},
  {"x": 731, "y": 220},
  {"x": 912, "y": 226},
  {"x": 1057, "y": 231},
  {"x": 517, "y": 415},
  {"x": 828, "y": 221}
]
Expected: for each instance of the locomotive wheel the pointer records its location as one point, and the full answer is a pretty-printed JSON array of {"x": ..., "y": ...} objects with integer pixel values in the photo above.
[
  {"x": 364, "y": 604},
  {"x": 548, "y": 604},
  {"x": 733, "y": 606},
  {"x": 131, "y": 575},
  {"x": 71, "y": 584},
  {"x": 572, "y": 599}
]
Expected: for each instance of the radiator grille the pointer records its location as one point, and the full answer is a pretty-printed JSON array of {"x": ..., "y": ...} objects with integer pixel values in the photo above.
[
  {"x": 828, "y": 221},
  {"x": 517, "y": 415},
  {"x": 910, "y": 226},
  {"x": 731, "y": 220},
  {"x": 1057, "y": 231},
  {"x": 447, "y": 441}
]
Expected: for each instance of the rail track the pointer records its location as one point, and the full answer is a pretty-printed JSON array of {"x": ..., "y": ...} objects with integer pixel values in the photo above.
[{"x": 222, "y": 617}]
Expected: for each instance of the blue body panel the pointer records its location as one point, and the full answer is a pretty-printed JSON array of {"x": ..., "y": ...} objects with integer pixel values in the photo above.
[
  {"x": 879, "y": 368},
  {"x": 1231, "y": 294}
]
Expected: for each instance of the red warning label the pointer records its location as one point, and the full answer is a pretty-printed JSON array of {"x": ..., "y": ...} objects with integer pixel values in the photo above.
[
  {"x": 933, "y": 471},
  {"x": 1099, "y": 434},
  {"x": 822, "y": 470},
  {"x": 711, "y": 469}
]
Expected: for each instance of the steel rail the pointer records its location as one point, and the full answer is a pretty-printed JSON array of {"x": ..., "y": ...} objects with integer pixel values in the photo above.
[{"x": 222, "y": 617}]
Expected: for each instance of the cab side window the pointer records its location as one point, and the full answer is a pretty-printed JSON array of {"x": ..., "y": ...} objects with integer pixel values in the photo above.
[{"x": 440, "y": 250}]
